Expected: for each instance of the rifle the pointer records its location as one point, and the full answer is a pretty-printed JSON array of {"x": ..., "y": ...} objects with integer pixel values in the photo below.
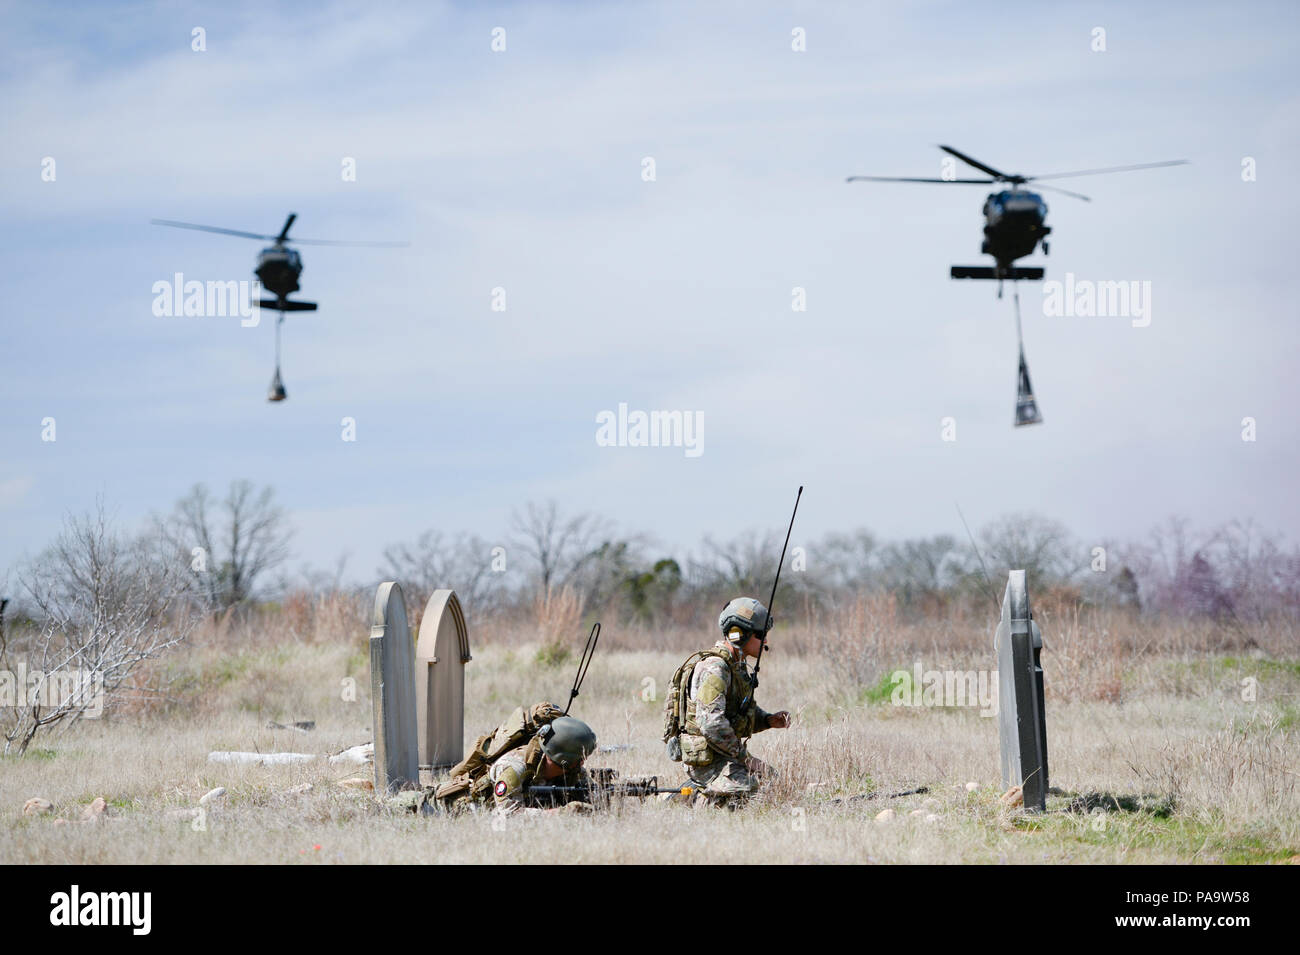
[
  {"x": 877, "y": 794},
  {"x": 758, "y": 660},
  {"x": 604, "y": 785}
]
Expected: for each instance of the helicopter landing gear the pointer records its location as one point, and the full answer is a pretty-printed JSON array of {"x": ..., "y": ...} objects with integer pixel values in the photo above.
[{"x": 1045, "y": 247}]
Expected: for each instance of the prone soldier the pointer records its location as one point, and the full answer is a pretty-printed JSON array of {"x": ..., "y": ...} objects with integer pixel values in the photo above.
[{"x": 537, "y": 746}]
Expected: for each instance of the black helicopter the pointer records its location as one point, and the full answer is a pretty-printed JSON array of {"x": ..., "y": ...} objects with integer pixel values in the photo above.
[
  {"x": 1014, "y": 219},
  {"x": 1015, "y": 223},
  {"x": 278, "y": 268}
]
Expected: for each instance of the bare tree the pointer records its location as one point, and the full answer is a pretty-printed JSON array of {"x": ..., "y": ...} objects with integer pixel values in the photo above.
[
  {"x": 1041, "y": 547},
  {"x": 558, "y": 547},
  {"x": 105, "y": 605},
  {"x": 228, "y": 545},
  {"x": 848, "y": 560},
  {"x": 741, "y": 566},
  {"x": 919, "y": 568},
  {"x": 1260, "y": 576},
  {"x": 431, "y": 562}
]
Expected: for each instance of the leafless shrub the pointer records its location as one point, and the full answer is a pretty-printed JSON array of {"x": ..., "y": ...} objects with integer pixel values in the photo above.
[
  {"x": 105, "y": 606},
  {"x": 558, "y": 612},
  {"x": 859, "y": 640}
]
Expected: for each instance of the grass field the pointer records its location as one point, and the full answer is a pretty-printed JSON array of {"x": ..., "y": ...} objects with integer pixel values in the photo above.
[{"x": 1163, "y": 717}]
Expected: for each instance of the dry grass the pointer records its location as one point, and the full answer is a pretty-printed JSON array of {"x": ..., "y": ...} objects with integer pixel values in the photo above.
[{"x": 1132, "y": 709}]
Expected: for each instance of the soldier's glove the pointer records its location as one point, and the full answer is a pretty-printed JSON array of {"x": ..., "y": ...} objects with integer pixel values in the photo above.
[{"x": 578, "y": 808}]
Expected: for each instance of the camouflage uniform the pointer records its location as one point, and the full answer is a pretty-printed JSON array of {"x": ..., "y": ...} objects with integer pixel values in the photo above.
[
  {"x": 721, "y": 713},
  {"x": 508, "y": 756},
  {"x": 513, "y": 772}
]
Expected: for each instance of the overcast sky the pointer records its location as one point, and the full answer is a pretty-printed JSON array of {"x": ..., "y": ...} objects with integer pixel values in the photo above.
[{"x": 523, "y": 169}]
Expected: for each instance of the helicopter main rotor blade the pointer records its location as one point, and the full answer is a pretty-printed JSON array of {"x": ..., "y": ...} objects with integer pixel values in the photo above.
[
  {"x": 210, "y": 228},
  {"x": 908, "y": 179},
  {"x": 978, "y": 165},
  {"x": 284, "y": 233},
  {"x": 1097, "y": 172},
  {"x": 373, "y": 245},
  {"x": 1077, "y": 195}
]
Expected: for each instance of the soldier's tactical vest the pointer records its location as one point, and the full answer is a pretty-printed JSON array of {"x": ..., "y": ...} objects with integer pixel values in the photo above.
[
  {"x": 470, "y": 779},
  {"x": 682, "y": 731}
]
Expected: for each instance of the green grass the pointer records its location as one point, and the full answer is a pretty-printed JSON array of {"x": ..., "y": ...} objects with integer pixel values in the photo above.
[
  {"x": 1238, "y": 800},
  {"x": 1217, "y": 668},
  {"x": 552, "y": 655},
  {"x": 1138, "y": 834},
  {"x": 882, "y": 691}
]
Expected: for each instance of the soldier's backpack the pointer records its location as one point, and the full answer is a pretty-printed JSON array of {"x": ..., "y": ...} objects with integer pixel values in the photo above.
[
  {"x": 675, "y": 705},
  {"x": 469, "y": 777}
]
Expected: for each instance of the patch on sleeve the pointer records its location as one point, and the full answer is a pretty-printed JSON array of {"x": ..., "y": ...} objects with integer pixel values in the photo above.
[
  {"x": 711, "y": 687},
  {"x": 502, "y": 788}
]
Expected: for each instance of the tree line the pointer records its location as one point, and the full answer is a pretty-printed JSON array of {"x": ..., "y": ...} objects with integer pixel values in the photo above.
[
  {"x": 227, "y": 552},
  {"x": 95, "y": 606}
]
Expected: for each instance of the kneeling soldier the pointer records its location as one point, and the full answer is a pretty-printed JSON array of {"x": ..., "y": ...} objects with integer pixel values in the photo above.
[{"x": 710, "y": 712}]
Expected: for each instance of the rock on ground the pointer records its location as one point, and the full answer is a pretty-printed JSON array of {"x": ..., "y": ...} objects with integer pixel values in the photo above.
[
  {"x": 36, "y": 806},
  {"x": 362, "y": 755},
  {"x": 263, "y": 759}
]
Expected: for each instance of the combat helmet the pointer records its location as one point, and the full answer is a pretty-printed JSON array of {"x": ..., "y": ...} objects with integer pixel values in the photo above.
[
  {"x": 567, "y": 741},
  {"x": 747, "y": 615}
]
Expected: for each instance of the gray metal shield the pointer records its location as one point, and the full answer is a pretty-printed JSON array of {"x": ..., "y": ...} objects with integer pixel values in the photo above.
[{"x": 1022, "y": 722}]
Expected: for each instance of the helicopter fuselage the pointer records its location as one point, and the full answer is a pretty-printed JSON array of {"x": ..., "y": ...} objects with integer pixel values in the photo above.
[
  {"x": 278, "y": 269},
  {"x": 1014, "y": 224}
]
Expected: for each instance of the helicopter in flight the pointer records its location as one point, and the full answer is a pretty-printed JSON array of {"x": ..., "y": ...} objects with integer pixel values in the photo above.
[
  {"x": 278, "y": 269},
  {"x": 1015, "y": 219},
  {"x": 1015, "y": 223}
]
